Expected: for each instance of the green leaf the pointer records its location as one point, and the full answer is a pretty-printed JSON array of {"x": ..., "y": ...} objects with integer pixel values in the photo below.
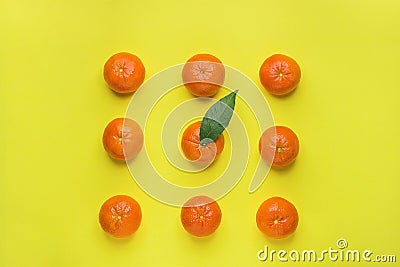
[{"x": 217, "y": 118}]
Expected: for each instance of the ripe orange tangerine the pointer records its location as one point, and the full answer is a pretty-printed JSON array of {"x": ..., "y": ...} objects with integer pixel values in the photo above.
[
  {"x": 201, "y": 216},
  {"x": 203, "y": 75},
  {"x": 120, "y": 216},
  {"x": 280, "y": 74},
  {"x": 124, "y": 72},
  {"x": 277, "y": 217},
  {"x": 123, "y": 138},
  {"x": 194, "y": 151},
  {"x": 279, "y": 144}
]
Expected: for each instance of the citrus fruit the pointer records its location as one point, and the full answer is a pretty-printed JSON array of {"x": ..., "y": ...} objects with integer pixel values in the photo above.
[
  {"x": 280, "y": 145},
  {"x": 123, "y": 138},
  {"x": 277, "y": 217},
  {"x": 201, "y": 216},
  {"x": 120, "y": 216},
  {"x": 124, "y": 72},
  {"x": 280, "y": 74},
  {"x": 194, "y": 151},
  {"x": 203, "y": 75}
]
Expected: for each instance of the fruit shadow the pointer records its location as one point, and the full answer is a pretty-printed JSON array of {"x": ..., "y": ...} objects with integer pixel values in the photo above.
[
  {"x": 285, "y": 95},
  {"x": 201, "y": 241},
  {"x": 121, "y": 163},
  {"x": 119, "y": 241},
  {"x": 280, "y": 169},
  {"x": 278, "y": 242},
  {"x": 123, "y": 95},
  {"x": 117, "y": 163}
]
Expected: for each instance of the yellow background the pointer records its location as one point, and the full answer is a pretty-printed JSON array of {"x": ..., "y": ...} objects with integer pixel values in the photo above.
[{"x": 54, "y": 105}]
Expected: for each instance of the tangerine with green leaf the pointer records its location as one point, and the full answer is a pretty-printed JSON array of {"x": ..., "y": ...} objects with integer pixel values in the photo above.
[
  {"x": 195, "y": 151},
  {"x": 203, "y": 141}
]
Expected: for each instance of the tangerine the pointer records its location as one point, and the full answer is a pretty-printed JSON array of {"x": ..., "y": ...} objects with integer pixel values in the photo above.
[
  {"x": 277, "y": 217},
  {"x": 280, "y": 74},
  {"x": 201, "y": 216},
  {"x": 123, "y": 138},
  {"x": 280, "y": 145},
  {"x": 124, "y": 72},
  {"x": 194, "y": 151},
  {"x": 203, "y": 75},
  {"x": 120, "y": 216}
]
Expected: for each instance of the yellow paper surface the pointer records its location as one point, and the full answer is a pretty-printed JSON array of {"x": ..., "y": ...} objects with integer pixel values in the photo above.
[{"x": 54, "y": 105}]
